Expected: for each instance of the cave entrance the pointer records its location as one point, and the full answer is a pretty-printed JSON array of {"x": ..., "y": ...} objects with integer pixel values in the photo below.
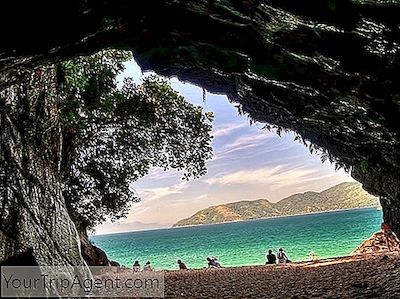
[
  {"x": 250, "y": 163},
  {"x": 22, "y": 259}
]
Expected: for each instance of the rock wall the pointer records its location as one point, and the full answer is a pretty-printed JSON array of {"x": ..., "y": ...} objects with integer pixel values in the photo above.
[
  {"x": 377, "y": 243},
  {"x": 34, "y": 222}
]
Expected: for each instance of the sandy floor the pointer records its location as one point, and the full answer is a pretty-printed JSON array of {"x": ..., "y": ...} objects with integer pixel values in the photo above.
[{"x": 367, "y": 276}]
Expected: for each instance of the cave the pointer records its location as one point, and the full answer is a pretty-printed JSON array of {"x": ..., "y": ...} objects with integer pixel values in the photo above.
[
  {"x": 23, "y": 259},
  {"x": 326, "y": 69}
]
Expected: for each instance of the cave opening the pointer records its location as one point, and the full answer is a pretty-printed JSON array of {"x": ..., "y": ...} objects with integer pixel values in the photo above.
[
  {"x": 250, "y": 163},
  {"x": 23, "y": 259}
]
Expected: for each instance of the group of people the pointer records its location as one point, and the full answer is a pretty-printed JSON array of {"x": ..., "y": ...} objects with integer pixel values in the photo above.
[
  {"x": 147, "y": 267},
  {"x": 212, "y": 263},
  {"x": 281, "y": 257}
]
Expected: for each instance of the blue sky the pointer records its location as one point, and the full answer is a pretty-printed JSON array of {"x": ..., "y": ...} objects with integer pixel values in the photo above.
[{"x": 249, "y": 163}]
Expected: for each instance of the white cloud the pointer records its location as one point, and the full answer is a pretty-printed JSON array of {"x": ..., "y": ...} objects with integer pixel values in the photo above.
[
  {"x": 157, "y": 193},
  {"x": 227, "y": 129},
  {"x": 139, "y": 208},
  {"x": 189, "y": 202},
  {"x": 242, "y": 143},
  {"x": 203, "y": 196},
  {"x": 160, "y": 173},
  {"x": 273, "y": 177}
]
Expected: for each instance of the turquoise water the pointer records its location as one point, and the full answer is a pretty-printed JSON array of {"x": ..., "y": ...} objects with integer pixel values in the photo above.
[{"x": 244, "y": 243}]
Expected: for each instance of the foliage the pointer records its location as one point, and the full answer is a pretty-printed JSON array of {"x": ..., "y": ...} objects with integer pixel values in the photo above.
[{"x": 112, "y": 136}]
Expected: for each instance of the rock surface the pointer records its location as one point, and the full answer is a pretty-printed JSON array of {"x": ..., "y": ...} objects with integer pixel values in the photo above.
[
  {"x": 35, "y": 227},
  {"x": 327, "y": 69},
  {"x": 94, "y": 256},
  {"x": 378, "y": 242},
  {"x": 33, "y": 216}
]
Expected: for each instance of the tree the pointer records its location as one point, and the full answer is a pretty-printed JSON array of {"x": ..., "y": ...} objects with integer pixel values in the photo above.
[{"x": 109, "y": 136}]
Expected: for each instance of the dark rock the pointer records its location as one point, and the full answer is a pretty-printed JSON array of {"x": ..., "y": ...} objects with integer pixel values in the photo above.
[
  {"x": 34, "y": 222},
  {"x": 23, "y": 259},
  {"x": 94, "y": 256},
  {"x": 115, "y": 264}
]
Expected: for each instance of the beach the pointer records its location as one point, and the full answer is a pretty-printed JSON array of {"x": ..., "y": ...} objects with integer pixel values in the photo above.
[
  {"x": 362, "y": 276},
  {"x": 245, "y": 243}
]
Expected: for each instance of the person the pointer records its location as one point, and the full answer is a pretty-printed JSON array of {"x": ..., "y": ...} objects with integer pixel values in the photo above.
[
  {"x": 282, "y": 257},
  {"x": 182, "y": 266},
  {"x": 136, "y": 266},
  {"x": 148, "y": 267},
  {"x": 312, "y": 256},
  {"x": 271, "y": 258},
  {"x": 213, "y": 262},
  {"x": 389, "y": 235}
]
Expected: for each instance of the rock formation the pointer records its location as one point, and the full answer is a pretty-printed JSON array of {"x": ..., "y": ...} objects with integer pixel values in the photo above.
[
  {"x": 378, "y": 242},
  {"x": 327, "y": 69},
  {"x": 35, "y": 227}
]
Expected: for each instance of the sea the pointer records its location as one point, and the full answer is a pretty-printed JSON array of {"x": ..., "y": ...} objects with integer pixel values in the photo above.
[{"x": 328, "y": 234}]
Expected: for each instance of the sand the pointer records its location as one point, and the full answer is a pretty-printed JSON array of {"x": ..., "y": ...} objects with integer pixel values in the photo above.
[{"x": 362, "y": 276}]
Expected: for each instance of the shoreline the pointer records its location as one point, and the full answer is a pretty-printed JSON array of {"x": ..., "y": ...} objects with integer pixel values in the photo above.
[
  {"x": 243, "y": 220},
  {"x": 275, "y": 217},
  {"x": 373, "y": 275},
  {"x": 306, "y": 263},
  {"x": 236, "y": 221}
]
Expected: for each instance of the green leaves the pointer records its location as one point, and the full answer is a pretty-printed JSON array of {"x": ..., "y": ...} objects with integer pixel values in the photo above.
[
  {"x": 122, "y": 133},
  {"x": 110, "y": 137}
]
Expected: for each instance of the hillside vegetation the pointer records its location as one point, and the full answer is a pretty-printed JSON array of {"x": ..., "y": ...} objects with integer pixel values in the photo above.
[{"x": 340, "y": 197}]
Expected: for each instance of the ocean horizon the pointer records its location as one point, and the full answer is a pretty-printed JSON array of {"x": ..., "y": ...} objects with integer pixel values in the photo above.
[{"x": 240, "y": 243}]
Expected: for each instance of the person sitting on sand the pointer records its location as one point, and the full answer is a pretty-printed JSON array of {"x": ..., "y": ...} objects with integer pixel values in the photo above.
[
  {"x": 148, "y": 267},
  {"x": 213, "y": 263},
  {"x": 136, "y": 267},
  {"x": 282, "y": 257},
  {"x": 181, "y": 265},
  {"x": 389, "y": 234},
  {"x": 271, "y": 258},
  {"x": 312, "y": 256}
]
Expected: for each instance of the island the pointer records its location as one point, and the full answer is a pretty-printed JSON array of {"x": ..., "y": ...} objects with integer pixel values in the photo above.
[{"x": 349, "y": 195}]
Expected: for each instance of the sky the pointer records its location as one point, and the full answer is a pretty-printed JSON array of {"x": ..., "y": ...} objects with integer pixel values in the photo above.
[{"x": 249, "y": 163}]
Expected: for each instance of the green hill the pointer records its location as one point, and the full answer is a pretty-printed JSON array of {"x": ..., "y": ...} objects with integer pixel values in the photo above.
[{"x": 339, "y": 197}]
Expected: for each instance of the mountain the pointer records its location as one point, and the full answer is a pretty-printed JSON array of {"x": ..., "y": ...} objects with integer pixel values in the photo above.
[{"x": 340, "y": 197}]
